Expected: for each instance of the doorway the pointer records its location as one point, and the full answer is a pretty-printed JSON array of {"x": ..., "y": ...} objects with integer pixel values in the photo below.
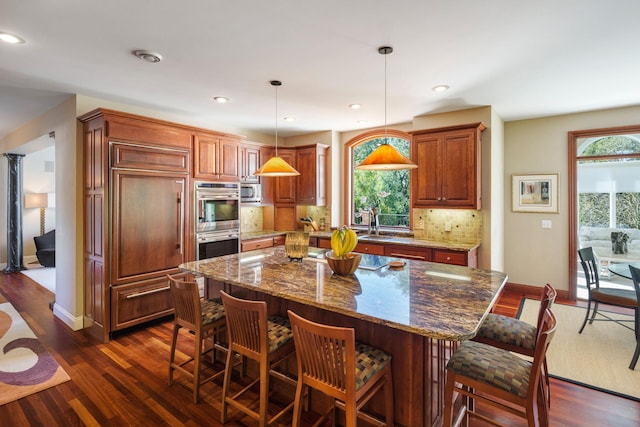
[{"x": 604, "y": 197}]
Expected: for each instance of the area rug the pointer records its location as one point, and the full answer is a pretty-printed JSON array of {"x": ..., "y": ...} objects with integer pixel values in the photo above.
[
  {"x": 25, "y": 366},
  {"x": 45, "y": 277},
  {"x": 598, "y": 358}
]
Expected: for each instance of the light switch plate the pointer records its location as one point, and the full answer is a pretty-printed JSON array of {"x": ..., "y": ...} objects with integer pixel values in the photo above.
[
  {"x": 419, "y": 224},
  {"x": 546, "y": 223},
  {"x": 447, "y": 226}
]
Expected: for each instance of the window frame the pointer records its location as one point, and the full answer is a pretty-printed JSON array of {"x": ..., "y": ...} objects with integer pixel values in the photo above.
[{"x": 348, "y": 169}]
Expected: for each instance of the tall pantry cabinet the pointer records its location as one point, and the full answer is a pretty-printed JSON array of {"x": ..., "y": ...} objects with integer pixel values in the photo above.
[{"x": 137, "y": 224}]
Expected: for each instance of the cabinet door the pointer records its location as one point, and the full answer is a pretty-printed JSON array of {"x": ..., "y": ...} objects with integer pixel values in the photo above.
[
  {"x": 285, "y": 186},
  {"x": 426, "y": 180},
  {"x": 149, "y": 224},
  {"x": 458, "y": 172},
  {"x": 250, "y": 161},
  {"x": 284, "y": 217},
  {"x": 205, "y": 154},
  {"x": 311, "y": 163},
  {"x": 228, "y": 160}
]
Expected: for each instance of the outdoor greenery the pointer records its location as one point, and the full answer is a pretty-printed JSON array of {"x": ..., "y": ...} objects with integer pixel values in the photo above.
[
  {"x": 386, "y": 190},
  {"x": 594, "y": 208}
]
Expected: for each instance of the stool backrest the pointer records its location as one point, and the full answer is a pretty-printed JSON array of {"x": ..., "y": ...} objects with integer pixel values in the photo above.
[
  {"x": 326, "y": 356},
  {"x": 549, "y": 295},
  {"x": 545, "y": 335},
  {"x": 186, "y": 301},
  {"x": 246, "y": 325}
]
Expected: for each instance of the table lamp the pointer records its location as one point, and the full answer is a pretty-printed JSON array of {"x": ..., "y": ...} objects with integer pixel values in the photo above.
[{"x": 37, "y": 200}]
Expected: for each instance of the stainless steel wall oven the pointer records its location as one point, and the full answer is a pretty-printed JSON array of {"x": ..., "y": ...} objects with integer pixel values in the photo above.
[{"x": 217, "y": 219}]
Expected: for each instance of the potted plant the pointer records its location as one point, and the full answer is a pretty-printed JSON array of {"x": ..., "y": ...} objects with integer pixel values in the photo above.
[{"x": 340, "y": 258}]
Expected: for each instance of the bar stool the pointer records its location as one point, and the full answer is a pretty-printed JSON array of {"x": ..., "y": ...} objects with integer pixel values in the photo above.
[
  {"x": 330, "y": 361},
  {"x": 205, "y": 319},
  {"x": 266, "y": 340},
  {"x": 515, "y": 335},
  {"x": 499, "y": 378}
]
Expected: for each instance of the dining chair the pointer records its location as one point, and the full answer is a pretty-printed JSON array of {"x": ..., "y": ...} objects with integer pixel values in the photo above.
[
  {"x": 332, "y": 362},
  {"x": 635, "y": 277},
  {"x": 515, "y": 335},
  {"x": 267, "y": 340},
  {"x": 499, "y": 378},
  {"x": 603, "y": 295},
  {"x": 204, "y": 319}
]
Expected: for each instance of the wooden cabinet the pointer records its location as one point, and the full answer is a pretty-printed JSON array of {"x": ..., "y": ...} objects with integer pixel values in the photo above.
[
  {"x": 465, "y": 258},
  {"x": 311, "y": 162},
  {"x": 216, "y": 157},
  {"x": 137, "y": 212},
  {"x": 370, "y": 248},
  {"x": 249, "y": 163},
  {"x": 259, "y": 243},
  {"x": 448, "y": 173},
  {"x": 285, "y": 186},
  {"x": 410, "y": 252}
]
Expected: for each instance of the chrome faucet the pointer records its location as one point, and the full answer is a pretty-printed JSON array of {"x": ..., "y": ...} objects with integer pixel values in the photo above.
[{"x": 373, "y": 222}]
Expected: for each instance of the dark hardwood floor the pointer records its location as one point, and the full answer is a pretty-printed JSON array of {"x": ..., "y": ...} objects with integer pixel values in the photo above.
[{"x": 124, "y": 382}]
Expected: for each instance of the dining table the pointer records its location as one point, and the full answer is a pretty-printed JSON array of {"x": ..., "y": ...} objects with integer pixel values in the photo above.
[
  {"x": 418, "y": 312},
  {"x": 622, "y": 268}
]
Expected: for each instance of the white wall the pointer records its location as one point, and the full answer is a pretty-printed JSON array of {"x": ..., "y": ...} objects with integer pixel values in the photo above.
[
  {"x": 37, "y": 179},
  {"x": 535, "y": 256}
]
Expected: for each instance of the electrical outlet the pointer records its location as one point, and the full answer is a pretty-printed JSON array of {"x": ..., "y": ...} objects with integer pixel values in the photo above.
[
  {"x": 546, "y": 223},
  {"x": 447, "y": 226},
  {"x": 419, "y": 225}
]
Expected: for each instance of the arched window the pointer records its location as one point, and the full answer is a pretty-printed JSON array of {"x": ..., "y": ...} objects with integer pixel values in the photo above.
[{"x": 389, "y": 191}]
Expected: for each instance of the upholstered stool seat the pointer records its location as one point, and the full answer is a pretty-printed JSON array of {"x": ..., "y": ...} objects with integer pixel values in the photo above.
[
  {"x": 508, "y": 330},
  {"x": 369, "y": 361},
  {"x": 492, "y": 365}
]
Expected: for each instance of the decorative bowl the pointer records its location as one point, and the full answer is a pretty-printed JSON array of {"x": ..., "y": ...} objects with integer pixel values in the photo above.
[{"x": 343, "y": 266}]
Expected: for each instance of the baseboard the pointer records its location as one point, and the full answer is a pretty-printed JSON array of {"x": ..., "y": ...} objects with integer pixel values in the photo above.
[
  {"x": 75, "y": 323},
  {"x": 30, "y": 259},
  {"x": 533, "y": 291}
]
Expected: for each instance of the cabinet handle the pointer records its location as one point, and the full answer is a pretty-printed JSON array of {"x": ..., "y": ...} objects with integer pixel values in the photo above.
[
  {"x": 418, "y": 257},
  {"x": 448, "y": 258},
  {"x": 181, "y": 216},
  {"x": 151, "y": 291}
]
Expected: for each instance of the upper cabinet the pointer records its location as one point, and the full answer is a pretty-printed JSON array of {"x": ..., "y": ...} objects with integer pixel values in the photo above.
[
  {"x": 311, "y": 162},
  {"x": 249, "y": 163},
  {"x": 216, "y": 157},
  {"x": 285, "y": 186},
  {"x": 448, "y": 173}
]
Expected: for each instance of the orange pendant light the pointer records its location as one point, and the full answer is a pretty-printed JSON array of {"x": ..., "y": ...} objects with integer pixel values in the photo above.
[
  {"x": 385, "y": 157},
  {"x": 276, "y": 166}
]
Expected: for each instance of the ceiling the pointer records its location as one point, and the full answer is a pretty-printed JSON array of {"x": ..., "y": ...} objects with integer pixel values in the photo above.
[{"x": 526, "y": 59}]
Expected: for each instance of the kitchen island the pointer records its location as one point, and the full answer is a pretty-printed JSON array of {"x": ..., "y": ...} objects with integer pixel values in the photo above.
[{"x": 417, "y": 313}]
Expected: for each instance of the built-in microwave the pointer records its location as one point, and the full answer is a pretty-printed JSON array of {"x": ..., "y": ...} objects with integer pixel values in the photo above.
[{"x": 250, "y": 193}]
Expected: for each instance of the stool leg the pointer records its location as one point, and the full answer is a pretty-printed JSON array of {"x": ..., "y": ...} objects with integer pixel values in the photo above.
[
  {"x": 388, "y": 399},
  {"x": 197, "y": 356},
  {"x": 225, "y": 387},
  {"x": 172, "y": 354}
]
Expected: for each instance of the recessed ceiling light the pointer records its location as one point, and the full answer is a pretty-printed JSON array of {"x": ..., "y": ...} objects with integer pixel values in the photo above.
[
  {"x": 10, "y": 38},
  {"x": 363, "y": 122},
  {"x": 220, "y": 99},
  {"x": 354, "y": 106},
  {"x": 440, "y": 88},
  {"x": 147, "y": 55},
  {"x": 289, "y": 119}
]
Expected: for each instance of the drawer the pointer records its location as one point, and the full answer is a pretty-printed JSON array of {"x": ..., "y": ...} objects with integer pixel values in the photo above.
[
  {"x": 253, "y": 244},
  {"x": 409, "y": 252},
  {"x": 279, "y": 240},
  {"x": 139, "y": 302},
  {"x": 324, "y": 243},
  {"x": 450, "y": 257},
  {"x": 369, "y": 248}
]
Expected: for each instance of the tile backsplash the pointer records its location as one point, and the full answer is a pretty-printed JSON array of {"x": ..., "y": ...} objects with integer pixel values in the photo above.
[
  {"x": 251, "y": 219},
  {"x": 465, "y": 225}
]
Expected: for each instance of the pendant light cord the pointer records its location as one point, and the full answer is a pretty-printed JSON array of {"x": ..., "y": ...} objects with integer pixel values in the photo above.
[
  {"x": 385, "y": 99},
  {"x": 276, "y": 120}
]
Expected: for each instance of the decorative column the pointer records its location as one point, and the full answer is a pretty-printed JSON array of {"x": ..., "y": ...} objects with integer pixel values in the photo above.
[{"x": 14, "y": 213}]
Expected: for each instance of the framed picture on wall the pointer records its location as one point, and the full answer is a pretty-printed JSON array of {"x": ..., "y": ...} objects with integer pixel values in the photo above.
[{"x": 535, "y": 193}]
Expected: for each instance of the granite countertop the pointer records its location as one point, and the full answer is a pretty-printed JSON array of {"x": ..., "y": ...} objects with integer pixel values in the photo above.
[
  {"x": 439, "y": 301},
  {"x": 381, "y": 239}
]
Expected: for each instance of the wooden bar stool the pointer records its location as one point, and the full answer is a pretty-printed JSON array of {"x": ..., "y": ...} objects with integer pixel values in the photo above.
[
  {"x": 267, "y": 340},
  {"x": 205, "y": 319},
  {"x": 330, "y": 360},
  {"x": 515, "y": 335},
  {"x": 499, "y": 378}
]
